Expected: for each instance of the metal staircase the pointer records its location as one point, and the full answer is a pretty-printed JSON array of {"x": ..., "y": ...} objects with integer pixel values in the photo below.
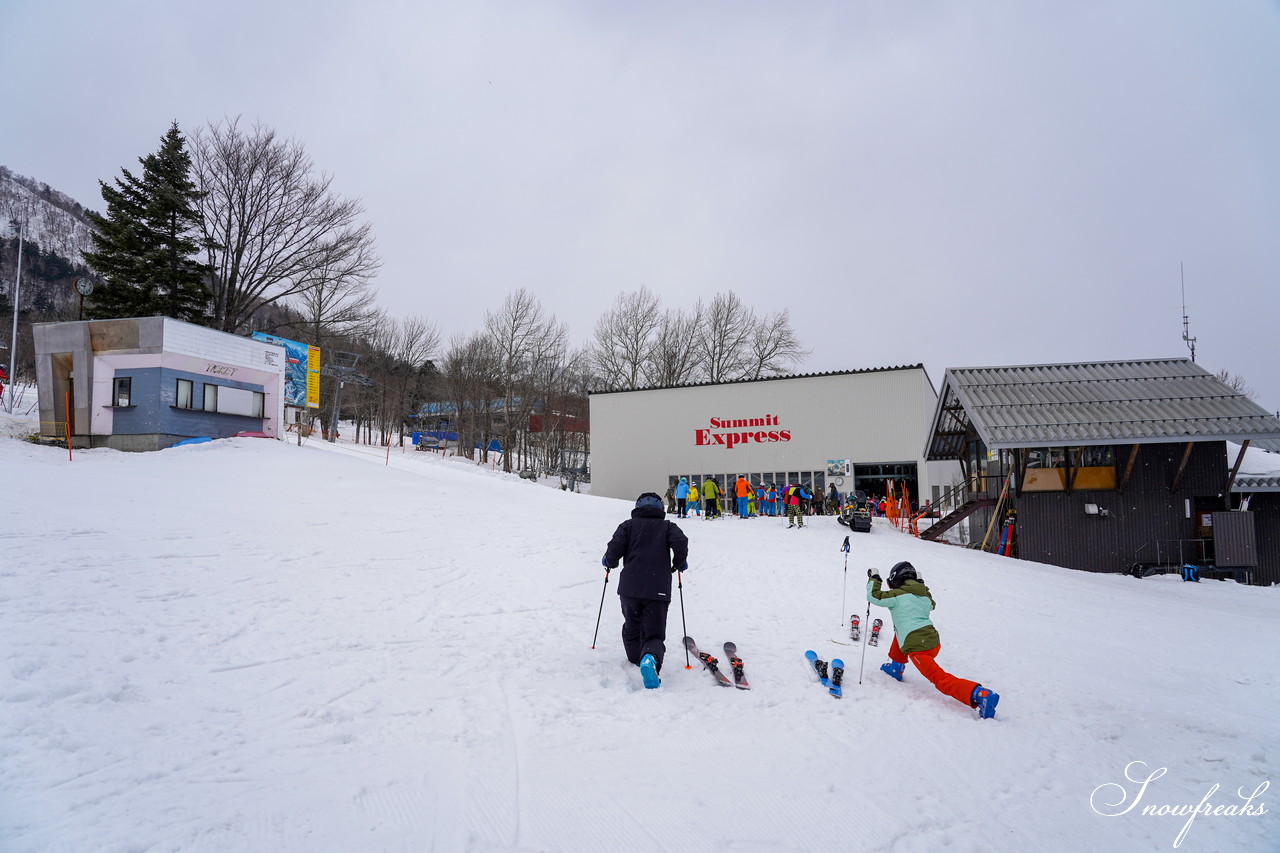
[{"x": 956, "y": 516}]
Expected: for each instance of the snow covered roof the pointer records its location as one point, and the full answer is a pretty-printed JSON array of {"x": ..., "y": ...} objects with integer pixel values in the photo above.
[
  {"x": 1259, "y": 470},
  {"x": 1076, "y": 405},
  {"x": 1250, "y": 483}
]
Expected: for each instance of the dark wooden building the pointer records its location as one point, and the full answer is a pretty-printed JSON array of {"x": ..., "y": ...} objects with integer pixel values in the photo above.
[{"x": 1109, "y": 467}]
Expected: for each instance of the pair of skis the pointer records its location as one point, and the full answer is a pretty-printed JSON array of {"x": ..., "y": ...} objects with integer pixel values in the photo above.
[
  {"x": 855, "y": 632},
  {"x": 833, "y": 680},
  {"x": 713, "y": 664}
]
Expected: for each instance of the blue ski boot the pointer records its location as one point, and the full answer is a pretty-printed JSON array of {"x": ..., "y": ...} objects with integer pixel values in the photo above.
[
  {"x": 892, "y": 668},
  {"x": 984, "y": 699},
  {"x": 649, "y": 671}
]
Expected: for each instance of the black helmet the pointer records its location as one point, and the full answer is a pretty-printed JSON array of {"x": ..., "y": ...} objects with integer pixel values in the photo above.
[
  {"x": 649, "y": 499},
  {"x": 901, "y": 573}
]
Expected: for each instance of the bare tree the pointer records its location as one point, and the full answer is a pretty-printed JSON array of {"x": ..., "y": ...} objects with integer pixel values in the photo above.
[
  {"x": 332, "y": 307},
  {"x": 775, "y": 347},
  {"x": 528, "y": 344},
  {"x": 469, "y": 382},
  {"x": 1236, "y": 383},
  {"x": 728, "y": 334},
  {"x": 679, "y": 349},
  {"x": 624, "y": 339},
  {"x": 275, "y": 228}
]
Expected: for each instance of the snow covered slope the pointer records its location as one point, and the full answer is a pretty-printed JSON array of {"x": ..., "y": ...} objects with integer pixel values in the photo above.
[{"x": 249, "y": 646}]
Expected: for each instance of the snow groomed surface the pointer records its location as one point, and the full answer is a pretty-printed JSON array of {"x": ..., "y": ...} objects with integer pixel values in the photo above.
[{"x": 247, "y": 645}]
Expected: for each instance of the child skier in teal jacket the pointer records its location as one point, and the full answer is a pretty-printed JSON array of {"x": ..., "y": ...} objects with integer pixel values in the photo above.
[{"x": 915, "y": 639}]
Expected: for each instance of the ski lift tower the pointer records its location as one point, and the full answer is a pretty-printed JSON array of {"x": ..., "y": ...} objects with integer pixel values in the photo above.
[{"x": 342, "y": 366}]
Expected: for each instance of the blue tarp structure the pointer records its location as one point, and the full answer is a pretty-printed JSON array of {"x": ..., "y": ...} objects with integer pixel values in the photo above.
[{"x": 446, "y": 435}]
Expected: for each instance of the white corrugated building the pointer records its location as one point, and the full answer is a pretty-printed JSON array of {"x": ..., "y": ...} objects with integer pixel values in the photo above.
[{"x": 854, "y": 428}]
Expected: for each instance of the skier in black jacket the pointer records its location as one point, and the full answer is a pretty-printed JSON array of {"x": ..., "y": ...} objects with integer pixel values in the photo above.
[{"x": 651, "y": 550}]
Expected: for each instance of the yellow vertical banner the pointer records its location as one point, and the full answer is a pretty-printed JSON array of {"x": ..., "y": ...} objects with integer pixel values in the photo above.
[{"x": 313, "y": 377}]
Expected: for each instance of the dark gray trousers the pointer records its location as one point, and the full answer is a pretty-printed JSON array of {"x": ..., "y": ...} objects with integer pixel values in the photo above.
[{"x": 644, "y": 628}]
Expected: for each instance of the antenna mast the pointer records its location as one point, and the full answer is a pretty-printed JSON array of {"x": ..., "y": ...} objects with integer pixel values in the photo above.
[{"x": 1186, "y": 329}]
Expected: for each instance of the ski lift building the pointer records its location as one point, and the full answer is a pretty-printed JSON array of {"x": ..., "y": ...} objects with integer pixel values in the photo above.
[
  {"x": 854, "y": 429},
  {"x": 1118, "y": 466}
]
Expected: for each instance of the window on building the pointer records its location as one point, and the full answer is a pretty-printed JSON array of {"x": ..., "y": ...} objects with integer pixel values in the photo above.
[
  {"x": 225, "y": 400},
  {"x": 121, "y": 391},
  {"x": 1053, "y": 469}
]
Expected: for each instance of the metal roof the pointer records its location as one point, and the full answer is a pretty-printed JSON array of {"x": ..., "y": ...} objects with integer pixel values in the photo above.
[
  {"x": 746, "y": 380},
  {"x": 1093, "y": 403},
  {"x": 1256, "y": 483}
]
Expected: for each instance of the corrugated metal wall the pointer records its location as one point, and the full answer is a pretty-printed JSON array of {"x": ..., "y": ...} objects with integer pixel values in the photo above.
[
  {"x": 640, "y": 437},
  {"x": 1053, "y": 527},
  {"x": 1235, "y": 541},
  {"x": 1265, "y": 507}
]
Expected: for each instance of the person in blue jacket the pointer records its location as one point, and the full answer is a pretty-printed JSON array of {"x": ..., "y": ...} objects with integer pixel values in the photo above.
[
  {"x": 682, "y": 498},
  {"x": 651, "y": 549},
  {"x": 915, "y": 638}
]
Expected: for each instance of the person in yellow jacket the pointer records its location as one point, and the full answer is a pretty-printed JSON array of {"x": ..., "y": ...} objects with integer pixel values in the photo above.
[
  {"x": 693, "y": 499},
  {"x": 711, "y": 497}
]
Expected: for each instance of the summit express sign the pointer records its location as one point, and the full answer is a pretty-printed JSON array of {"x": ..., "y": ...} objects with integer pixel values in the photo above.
[{"x": 734, "y": 431}]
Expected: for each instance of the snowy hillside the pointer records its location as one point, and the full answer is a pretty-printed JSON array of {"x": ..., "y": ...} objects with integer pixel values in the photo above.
[
  {"x": 50, "y": 219},
  {"x": 250, "y": 646}
]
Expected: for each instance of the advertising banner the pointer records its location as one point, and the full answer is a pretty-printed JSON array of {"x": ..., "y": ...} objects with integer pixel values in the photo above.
[{"x": 313, "y": 377}]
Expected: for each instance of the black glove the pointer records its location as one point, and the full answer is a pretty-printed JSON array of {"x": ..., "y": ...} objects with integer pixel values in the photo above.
[
  {"x": 604, "y": 561},
  {"x": 681, "y": 568},
  {"x": 872, "y": 574}
]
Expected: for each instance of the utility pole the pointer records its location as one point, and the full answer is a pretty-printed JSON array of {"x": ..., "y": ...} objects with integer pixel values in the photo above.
[{"x": 13, "y": 341}]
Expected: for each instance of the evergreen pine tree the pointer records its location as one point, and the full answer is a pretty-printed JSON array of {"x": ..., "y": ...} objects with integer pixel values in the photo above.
[{"x": 147, "y": 242}]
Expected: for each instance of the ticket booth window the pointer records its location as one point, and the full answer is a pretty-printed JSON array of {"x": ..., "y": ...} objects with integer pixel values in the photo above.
[{"x": 121, "y": 391}]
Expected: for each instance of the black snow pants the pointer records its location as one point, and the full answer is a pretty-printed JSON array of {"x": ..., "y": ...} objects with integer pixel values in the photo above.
[{"x": 644, "y": 628}]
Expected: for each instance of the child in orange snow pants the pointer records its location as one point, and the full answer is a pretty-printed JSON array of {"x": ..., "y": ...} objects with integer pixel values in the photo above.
[{"x": 916, "y": 640}]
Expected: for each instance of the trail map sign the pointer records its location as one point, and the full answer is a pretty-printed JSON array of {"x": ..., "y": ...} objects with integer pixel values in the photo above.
[{"x": 301, "y": 371}]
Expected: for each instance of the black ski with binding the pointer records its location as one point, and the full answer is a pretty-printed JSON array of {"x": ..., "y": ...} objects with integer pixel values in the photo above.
[
  {"x": 735, "y": 663},
  {"x": 711, "y": 663}
]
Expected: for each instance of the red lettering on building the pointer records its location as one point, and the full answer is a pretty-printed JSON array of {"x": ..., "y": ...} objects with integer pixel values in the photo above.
[{"x": 740, "y": 431}]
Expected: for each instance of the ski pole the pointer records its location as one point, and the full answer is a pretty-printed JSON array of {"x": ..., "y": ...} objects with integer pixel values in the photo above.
[
  {"x": 683, "y": 626},
  {"x": 865, "y": 626},
  {"x": 844, "y": 595},
  {"x": 601, "y": 612}
]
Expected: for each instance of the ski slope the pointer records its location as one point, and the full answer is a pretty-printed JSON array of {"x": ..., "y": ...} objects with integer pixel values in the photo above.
[{"x": 247, "y": 645}]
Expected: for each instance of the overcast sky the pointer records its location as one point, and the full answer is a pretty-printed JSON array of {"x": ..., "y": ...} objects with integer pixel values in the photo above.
[{"x": 954, "y": 183}]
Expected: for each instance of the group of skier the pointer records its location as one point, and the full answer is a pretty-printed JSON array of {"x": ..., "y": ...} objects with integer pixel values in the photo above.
[
  {"x": 748, "y": 500},
  {"x": 652, "y": 549}
]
